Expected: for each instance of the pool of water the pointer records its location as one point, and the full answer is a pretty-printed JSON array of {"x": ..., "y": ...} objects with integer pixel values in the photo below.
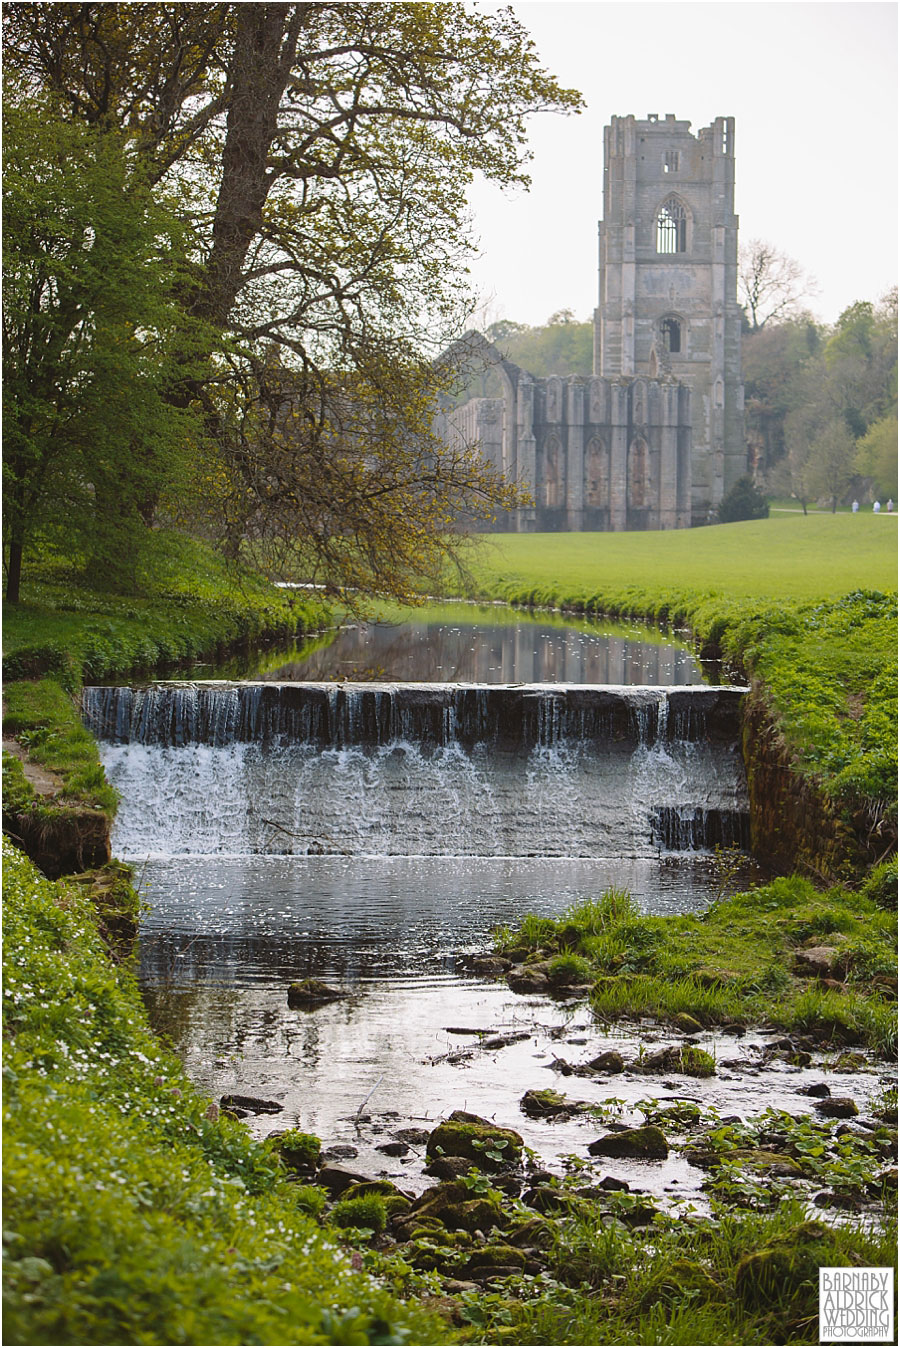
[{"x": 471, "y": 643}]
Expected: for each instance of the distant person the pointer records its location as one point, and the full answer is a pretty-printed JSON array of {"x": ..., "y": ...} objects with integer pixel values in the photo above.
[
  {"x": 890, "y": 506},
  {"x": 876, "y": 507},
  {"x": 855, "y": 507}
]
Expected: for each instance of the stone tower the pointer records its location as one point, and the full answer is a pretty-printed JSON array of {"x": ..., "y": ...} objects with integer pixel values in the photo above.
[{"x": 668, "y": 282}]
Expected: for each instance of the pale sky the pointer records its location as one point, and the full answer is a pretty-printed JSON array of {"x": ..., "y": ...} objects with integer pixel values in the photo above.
[{"x": 813, "y": 90}]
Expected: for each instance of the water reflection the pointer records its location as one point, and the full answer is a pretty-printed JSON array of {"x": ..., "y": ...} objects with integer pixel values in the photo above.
[
  {"x": 470, "y": 643},
  {"x": 529, "y": 652}
]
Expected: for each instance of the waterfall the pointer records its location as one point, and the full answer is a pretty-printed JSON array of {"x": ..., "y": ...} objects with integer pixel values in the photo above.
[{"x": 421, "y": 769}]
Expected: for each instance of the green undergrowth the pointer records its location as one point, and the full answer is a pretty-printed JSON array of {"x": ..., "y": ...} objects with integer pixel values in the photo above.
[
  {"x": 827, "y": 659},
  {"x": 189, "y": 603},
  {"x": 43, "y": 717},
  {"x": 133, "y": 1211},
  {"x": 737, "y": 962},
  {"x": 687, "y": 1279}
]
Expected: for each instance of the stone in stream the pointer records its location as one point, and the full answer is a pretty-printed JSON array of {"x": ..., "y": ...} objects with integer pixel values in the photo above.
[
  {"x": 646, "y": 1144},
  {"x": 481, "y": 1142},
  {"x": 610, "y": 1061},
  {"x": 310, "y": 992},
  {"x": 818, "y": 1089},
  {"x": 548, "y": 1104},
  {"x": 336, "y": 1180},
  {"x": 250, "y": 1104},
  {"x": 838, "y": 1107}
]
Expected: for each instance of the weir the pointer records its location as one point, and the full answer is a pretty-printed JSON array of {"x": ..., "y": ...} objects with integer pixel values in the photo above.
[{"x": 421, "y": 769}]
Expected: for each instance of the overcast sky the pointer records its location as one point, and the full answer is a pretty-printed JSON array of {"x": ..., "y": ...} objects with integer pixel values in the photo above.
[{"x": 813, "y": 90}]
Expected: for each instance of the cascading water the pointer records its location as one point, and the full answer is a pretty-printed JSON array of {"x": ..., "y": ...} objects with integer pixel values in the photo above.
[
  {"x": 421, "y": 769},
  {"x": 372, "y": 834}
]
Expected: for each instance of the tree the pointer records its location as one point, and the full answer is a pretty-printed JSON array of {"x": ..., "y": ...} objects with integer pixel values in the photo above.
[
  {"x": 743, "y": 502},
  {"x": 876, "y": 456},
  {"x": 831, "y": 461},
  {"x": 89, "y": 321},
  {"x": 772, "y": 360},
  {"x": 771, "y": 285},
  {"x": 322, "y": 152}
]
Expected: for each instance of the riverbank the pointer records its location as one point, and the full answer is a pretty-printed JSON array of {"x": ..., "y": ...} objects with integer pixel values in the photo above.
[
  {"x": 174, "y": 1225},
  {"x": 191, "y": 606},
  {"x": 783, "y": 605}
]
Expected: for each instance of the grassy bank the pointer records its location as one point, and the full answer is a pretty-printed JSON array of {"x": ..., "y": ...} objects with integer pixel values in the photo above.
[
  {"x": 790, "y": 602},
  {"x": 739, "y": 963},
  {"x": 188, "y": 604}
]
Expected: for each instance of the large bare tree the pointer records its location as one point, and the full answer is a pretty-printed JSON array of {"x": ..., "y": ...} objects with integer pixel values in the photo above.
[{"x": 771, "y": 285}]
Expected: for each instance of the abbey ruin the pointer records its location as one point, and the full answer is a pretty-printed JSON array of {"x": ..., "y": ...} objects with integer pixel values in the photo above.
[{"x": 655, "y": 438}]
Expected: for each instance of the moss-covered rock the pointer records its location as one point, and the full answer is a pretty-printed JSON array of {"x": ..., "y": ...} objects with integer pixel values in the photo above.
[
  {"x": 492, "y": 1256},
  {"x": 786, "y": 1271},
  {"x": 646, "y": 1144},
  {"x": 298, "y": 1151},
  {"x": 681, "y": 1277},
  {"x": 487, "y": 1146},
  {"x": 310, "y": 992}
]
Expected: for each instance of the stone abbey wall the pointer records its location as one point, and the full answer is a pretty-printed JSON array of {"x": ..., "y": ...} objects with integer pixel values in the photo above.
[
  {"x": 656, "y": 438},
  {"x": 595, "y": 454}
]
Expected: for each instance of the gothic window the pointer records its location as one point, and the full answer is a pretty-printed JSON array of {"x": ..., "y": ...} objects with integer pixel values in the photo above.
[
  {"x": 671, "y": 227},
  {"x": 670, "y": 161},
  {"x": 553, "y": 487},
  {"x": 596, "y": 463},
  {"x": 671, "y": 335},
  {"x": 637, "y": 475}
]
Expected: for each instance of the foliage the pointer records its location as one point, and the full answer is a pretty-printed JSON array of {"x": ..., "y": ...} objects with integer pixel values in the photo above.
[
  {"x": 90, "y": 266},
  {"x": 742, "y": 502},
  {"x": 173, "y": 1225},
  {"x": 876, "y": 456},
  {"x": 320, "y": 156},
  {"x": 18, "y": 793},
  {"x": 733, "y": 963},
  {"x": 365, "y": 1213}
]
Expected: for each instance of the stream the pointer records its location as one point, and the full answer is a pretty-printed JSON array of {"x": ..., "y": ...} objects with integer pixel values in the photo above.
[{"x": 372, "y": 831}]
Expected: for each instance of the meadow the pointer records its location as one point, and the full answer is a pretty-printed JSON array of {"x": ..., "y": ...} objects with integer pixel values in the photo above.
[{"x": 788, "y": 556}]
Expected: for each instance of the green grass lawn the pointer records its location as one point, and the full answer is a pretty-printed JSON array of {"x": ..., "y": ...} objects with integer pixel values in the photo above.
[{"x": 786, "y": 556}]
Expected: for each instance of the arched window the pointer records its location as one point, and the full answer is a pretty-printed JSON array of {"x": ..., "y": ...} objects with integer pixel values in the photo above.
[
  {"x": 638, "y": 467},
  {"x": 671, "y": 227},
  {"x": 596, "y": 465},
  {"x": 671, "y": 335},
  {"x": 554, "y": 474}
]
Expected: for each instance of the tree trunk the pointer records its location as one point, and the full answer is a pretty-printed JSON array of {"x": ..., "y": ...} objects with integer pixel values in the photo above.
[
  {"x": 14, "y": 574},
  {"x": 265, "y": 47}
]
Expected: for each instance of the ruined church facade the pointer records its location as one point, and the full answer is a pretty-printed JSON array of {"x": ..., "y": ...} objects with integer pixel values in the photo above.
[{"x": 655, "y": 438}]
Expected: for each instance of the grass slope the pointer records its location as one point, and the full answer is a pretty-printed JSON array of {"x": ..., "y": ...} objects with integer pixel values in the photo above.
[{"x": 189, "y": 603}]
